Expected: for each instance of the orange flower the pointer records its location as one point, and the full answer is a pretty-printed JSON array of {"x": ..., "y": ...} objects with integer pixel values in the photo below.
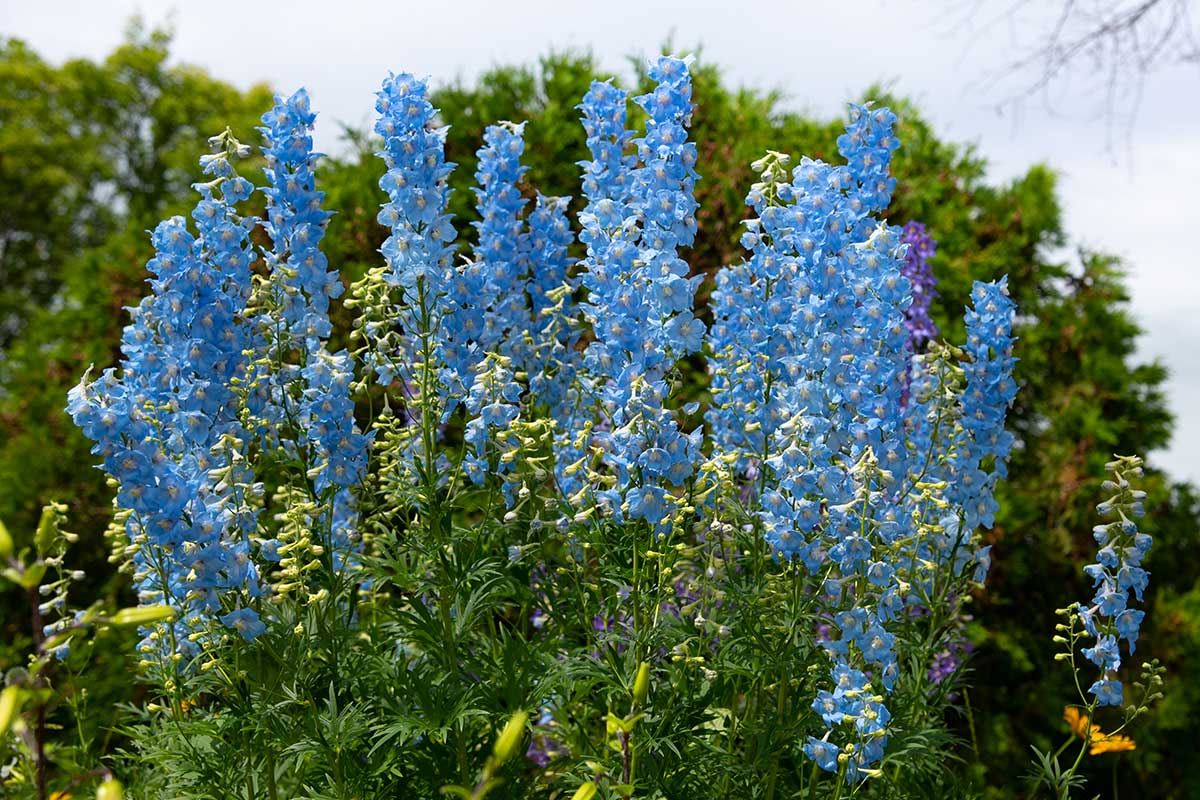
[
  {"x": 1112, "y": 744},
  {"x": 1078, "y": 721},
  {"x": 61, "y": 796},
  {"x": 1100, "y": 742}
]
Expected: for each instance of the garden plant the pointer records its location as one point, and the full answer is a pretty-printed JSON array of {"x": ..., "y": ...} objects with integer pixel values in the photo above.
[{"x": 491, "y": 544}]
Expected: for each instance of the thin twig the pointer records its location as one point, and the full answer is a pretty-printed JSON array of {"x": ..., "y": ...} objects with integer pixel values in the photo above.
[{"x": 1113, "y": 45}]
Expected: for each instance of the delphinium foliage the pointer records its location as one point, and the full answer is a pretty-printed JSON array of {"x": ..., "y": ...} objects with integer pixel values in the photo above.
[{"x": 488, "y": 525}]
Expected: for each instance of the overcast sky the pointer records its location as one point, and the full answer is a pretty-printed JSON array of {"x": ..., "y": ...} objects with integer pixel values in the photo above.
[{"x": 1137, "y": 200}]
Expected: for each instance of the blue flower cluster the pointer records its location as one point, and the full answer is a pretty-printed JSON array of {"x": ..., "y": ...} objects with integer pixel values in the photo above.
[
  {"x": 1116, "y": 574},
  {"x": 493, "y": 400},
  {"x": 958, "y": 414},
  {"x": 313, "y": 396},
  {"x": 664, "y": 193},
  {"x": 639, "y": 296},
  {"x": 339, "y": 450},
  {"x": 853, "y": 705},
  {"x": 420, "y": 250},
  {"x": 640, "y": 211},
  {"x": 511, "y": 305},
  {"x": 983, "y": 448},
  {"x": 811, "y": 352},
  {"x": 609, "y": 231},
  {"x": 545, "y": 247},
  {"x": 295, "y": 219},
  {"x": 867, "y": 145},
  {"x": 551, "y": 363},
  {"x": 490, "y": 312},
  {"x": 167, "y": 427},
  {"x": 819, "y": 282},
  {"x": 501, "y": 237},
  {"x": 839, "y": 343},
  {"x": 752, "y": 330}
]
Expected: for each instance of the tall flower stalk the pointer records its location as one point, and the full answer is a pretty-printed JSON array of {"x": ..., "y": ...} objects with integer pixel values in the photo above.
[
  {"x": 493, "y": 502},
  {"x": 166, "y": 426}
]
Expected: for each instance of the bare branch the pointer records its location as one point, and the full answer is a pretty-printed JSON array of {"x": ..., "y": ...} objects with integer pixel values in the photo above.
[{"x": 1109, "y": 47}]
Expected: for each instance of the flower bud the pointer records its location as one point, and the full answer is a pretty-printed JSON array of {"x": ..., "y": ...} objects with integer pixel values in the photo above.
[
  {"x": 47, "y": 530},
  {"x": 111, "y": 789},
  {"x": 10, "y": 704},
  {"x": 143, "y": 615},
  {"x": 585, "y": 792},
  {"x": 510, "y": 738},
  {"x": 641, "y": 684}
]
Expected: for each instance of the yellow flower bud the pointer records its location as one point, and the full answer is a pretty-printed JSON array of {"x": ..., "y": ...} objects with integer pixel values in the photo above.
[
  {"x": 585, "y": 792},
  {"x": 510, "y": 738},
  {"x": 10, "y": 704},
  {"x": 111, "y": 789},
  {"x": 47, "y": 530},
  {"x": 143, "y": 615},
  {"x": 641, "y": 684}
]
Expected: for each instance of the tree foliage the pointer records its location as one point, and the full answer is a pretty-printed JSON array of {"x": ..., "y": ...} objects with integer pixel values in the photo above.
[{"x": 91, "y": 155}]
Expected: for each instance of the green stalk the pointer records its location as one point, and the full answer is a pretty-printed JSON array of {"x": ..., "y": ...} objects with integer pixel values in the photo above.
[
  {"x": 813, "y": 774},
  {"x": 635, "y": 596},
  {"x": 272, "y": 793},
  {"x": 780, "y": 697},
  {"x": 971, "y": 722}
]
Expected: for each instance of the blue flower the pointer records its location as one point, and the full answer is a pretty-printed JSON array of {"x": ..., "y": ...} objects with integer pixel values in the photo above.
[
  {"x": 1115, "y": 575},
  {"x": 1128, "y": 622},
  {"x": 831, "y": 707},
  {"x": 822, "y": 752},
  {"x": 246, "y": 622},
  {"x": 876, "y": 644},
  {"x": 1107, "y": 692},
  {"x": 1105, "y": 653}
]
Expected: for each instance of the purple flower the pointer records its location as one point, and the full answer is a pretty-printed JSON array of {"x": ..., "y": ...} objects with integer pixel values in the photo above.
[{"x": 921, "y": 248}]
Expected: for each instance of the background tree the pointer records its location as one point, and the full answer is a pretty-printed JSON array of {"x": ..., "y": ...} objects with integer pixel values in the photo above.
[{"x": 92, "y": 154}]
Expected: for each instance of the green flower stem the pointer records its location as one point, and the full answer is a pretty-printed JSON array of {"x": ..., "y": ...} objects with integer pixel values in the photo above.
[
  {"x": 841, "y": 781},
  {"x": 39, "y": 726},
  {"x": 781, "y": 697},
  {"x": 635, "y": 597},
  {"x": 813, "y": 774},
  {"x": 971, "y": 722}
]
